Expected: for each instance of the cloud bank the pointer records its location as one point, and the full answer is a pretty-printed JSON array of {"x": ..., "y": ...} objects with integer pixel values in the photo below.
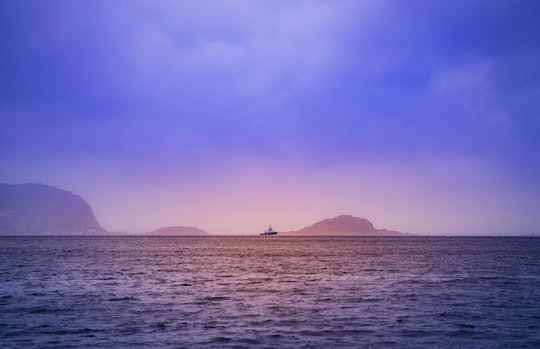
[{"x": 204, "y": 99}]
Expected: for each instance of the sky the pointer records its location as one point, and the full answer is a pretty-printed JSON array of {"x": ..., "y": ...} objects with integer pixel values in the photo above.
[{"x": 421, "y": 116}]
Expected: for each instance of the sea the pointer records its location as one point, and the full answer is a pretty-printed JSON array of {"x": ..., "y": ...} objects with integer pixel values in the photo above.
[{"x": 269, "y": 292}]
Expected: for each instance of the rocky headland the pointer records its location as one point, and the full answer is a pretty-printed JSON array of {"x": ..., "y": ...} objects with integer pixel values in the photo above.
[{"x": 39, "y": 209}]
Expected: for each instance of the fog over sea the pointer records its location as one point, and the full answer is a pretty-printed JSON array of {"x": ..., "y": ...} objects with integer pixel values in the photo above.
[{"x": 269, "y": 292}]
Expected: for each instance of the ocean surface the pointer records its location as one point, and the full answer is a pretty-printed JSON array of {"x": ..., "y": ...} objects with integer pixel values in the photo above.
[{"x": 269, "y": 292}]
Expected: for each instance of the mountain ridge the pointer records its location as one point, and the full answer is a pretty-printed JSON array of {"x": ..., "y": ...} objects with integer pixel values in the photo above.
[
  {"x": 344, "y": 225},
  {"x": 178, "y": 231},
  {"x": 39, "y": 209}
]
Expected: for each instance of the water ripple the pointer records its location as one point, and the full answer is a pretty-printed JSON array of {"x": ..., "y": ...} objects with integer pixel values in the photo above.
[{"x": 248, "y": 292}]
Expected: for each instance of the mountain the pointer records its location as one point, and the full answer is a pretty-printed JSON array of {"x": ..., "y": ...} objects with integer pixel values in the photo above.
[
  {"x": 343, "y": 225},
  {"x": 38, "y": 209},
  {"x": 178, "y": 230}
]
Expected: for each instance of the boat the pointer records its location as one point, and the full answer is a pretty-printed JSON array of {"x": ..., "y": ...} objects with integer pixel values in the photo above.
[{"x": 270, "y": 231}]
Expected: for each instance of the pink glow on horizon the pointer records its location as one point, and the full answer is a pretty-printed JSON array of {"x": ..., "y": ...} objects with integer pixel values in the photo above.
[{"x": 244, "y": 200}]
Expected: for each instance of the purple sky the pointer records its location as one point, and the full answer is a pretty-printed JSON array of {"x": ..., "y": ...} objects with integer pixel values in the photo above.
[{"x": 422, "y": 116}]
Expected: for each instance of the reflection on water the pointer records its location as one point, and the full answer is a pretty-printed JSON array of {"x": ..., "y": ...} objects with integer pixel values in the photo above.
[{"x": 250, "y": 292}]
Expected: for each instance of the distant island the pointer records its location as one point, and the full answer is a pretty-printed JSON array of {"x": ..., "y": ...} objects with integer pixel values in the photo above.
[
  {"x": 344, "y": 225},
  {"x": 39, "y": 209},
  {"x": 178, "y": 231}
]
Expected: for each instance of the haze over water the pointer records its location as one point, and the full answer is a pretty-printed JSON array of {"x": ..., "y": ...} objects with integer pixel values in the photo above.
[{"x": 269, "y": 292}]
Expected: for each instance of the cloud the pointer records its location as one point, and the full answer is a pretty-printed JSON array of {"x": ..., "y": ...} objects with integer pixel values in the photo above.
[
  {"x": 245, "y": 67},
  {"x": 183, "y": 90}
]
